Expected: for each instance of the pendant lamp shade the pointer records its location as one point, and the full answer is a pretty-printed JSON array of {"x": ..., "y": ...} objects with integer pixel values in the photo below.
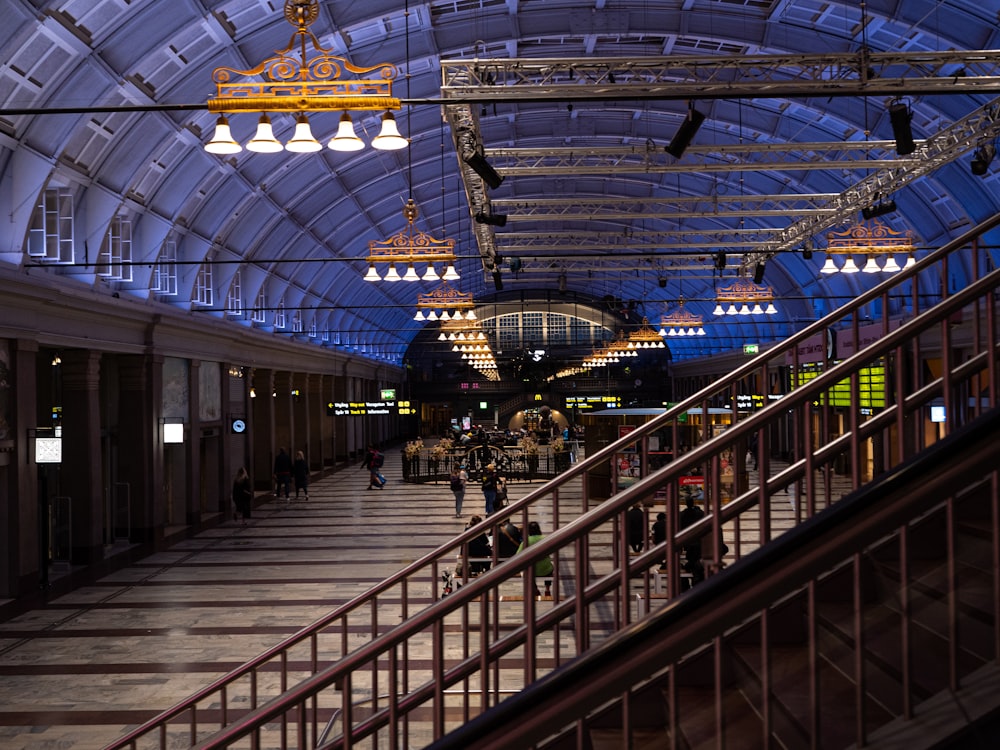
[
  {"x": 346, "y": 139},
  {"x": 389, "y": 138},
  {"x": 264, "y": 141},
  {"x": 222, "y": 142},
  {"x": 303, "y": 141}
]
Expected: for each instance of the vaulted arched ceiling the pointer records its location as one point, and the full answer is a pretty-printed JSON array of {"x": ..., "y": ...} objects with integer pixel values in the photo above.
[{"x": 103, "y": 104}]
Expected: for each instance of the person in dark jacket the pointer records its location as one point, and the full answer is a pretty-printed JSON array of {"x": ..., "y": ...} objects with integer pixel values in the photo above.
[
  {"x": 300, "y": 474},
  {"x": 243, "y": 494},
  {"x": 635, "y": 527},
  {"x": 507, "y": 539},
  {"x": 478, "y": 547},
  {"x": 282, "y": 473}
]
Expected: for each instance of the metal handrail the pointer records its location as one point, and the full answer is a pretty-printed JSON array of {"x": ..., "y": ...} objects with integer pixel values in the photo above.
[
  {"x": 739, "y": 593},
  {"x": 570, "y": 540}
]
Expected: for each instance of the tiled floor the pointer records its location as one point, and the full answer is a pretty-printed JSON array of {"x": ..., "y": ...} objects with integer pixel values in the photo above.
[{"x": 79, "y": 670}]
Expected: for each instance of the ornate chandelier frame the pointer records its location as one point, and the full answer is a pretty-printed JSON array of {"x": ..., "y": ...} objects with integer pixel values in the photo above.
[
  {"x": 408, "y": 247},
  {"x": 868, "y": 239}
]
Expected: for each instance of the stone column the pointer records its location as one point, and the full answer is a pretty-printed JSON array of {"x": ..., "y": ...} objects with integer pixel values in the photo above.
[{"x": 82, "y": 456}]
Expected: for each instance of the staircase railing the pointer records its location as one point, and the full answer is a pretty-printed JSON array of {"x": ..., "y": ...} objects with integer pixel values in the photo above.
[
  {"x": 686, "y": 654},
  {"x": 478, "y": 632}
]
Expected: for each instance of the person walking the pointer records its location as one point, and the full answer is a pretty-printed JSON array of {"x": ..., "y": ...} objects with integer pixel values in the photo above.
[
  {"x": 373, "y": 461},
  {"x": 282, "y": 473},
  {"x": 243, "y": 494},
  {"x": 300, "y": 475},
  {"x": 490, "y": 478},
  {"x": 635, "y": 528},
  {"x": 458, "y": 480}
]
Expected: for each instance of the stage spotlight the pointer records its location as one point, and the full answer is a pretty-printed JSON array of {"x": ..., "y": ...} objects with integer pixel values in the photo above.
[
  {"x": 720, "y": 261},
  {"x": 562, "y": 283},
  {"x": 878, "y": 209},
  {"x": 482, "y": 168},
  {"x": 899, "y": 118},
  {"x": 497, "y": 280},
  {"x": 807, "y": 249},
  {"x": 982, "y": 157},
  {"x": 662, "y": 281},
  {"x": 685, "y": 133},
  {"x": 495, "y": 220},
  {"x": 758, "y": 273}
]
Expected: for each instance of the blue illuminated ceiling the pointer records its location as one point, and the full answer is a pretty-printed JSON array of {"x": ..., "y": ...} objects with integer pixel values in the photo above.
[{"x": 106, "y": 99}]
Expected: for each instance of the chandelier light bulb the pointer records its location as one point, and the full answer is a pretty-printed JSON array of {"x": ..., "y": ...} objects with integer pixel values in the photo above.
[
  {"x": 910, "y": 261},
  {"x": 891, "y": 266},
  {"x": 303, "y": 141},
  {"x": 745, "y": 309},
  {"x": 264, "y": 141},
  {"x": 372, "y": 274},
  {"x": 757, "y": 309},
  {"x": 871, "y": 265},
  {"x": 432, "y": 315},
  {"x": 731, "y": 310},
  {"x": 222, "y": 142},
  {"x": 431, "y": 273},
  {"x": 718, "y": 310},
  {"x": 419, "y": 315},
  {"x": 345, "y": 138},
  {"x": 450, "y": 274},
  {"x": 392, "y": 274},
  {"x": 849, "y": 265},
  {"x": 771, "y": 309},
  {"x": 411, "y": 274},
  {"x": 829, "y": 266},
  {"x": 389, "y": 138}
]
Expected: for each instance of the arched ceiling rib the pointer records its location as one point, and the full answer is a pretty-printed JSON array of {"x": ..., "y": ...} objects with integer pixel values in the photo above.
[{"x": 589, "y": 192}]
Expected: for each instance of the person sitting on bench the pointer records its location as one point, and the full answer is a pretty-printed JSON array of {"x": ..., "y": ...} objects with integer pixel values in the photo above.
[{"x": 543, "y": 567}]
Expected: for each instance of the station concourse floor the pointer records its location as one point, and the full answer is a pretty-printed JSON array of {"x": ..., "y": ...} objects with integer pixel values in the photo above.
[{"x": 80, "y": 669}]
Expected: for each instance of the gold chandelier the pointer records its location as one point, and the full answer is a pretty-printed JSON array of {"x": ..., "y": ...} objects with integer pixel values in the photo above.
[
  {"x": 408, "y": 247},
  {"x": 740, "y": 295},
  {"x": 445, "y": 303},
  {"x": 681, "y": 322},
  {"x": 646, "y": 337},
  {"x": 868, "y": 240},
  {"x": 294, "y": 81}
]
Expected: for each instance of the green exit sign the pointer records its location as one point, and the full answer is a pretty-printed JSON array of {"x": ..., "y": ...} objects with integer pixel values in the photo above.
[{"x": 751, "y": 348}]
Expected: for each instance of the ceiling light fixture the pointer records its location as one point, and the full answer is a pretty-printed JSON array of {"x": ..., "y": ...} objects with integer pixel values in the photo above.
[
  {"x": 477, "y": 161},
  {"x": 299, "y": 80},
  {"x": 740, "y": 295},
  {"x": 495, "y": 220},
  {"x": 878, "y": 209},
  {"x": 412, "y": 246},
  {"x": 900, "y": 117},
  {"x": 868, "y": 241},
  {"x": 681, "y": 322},
  {"x": 982, "y": 157},
  {"x": 685, "y": 133}
]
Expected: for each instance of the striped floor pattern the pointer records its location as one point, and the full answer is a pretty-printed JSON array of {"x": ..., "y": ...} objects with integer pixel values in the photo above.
[{"x": 79, "y": 669}]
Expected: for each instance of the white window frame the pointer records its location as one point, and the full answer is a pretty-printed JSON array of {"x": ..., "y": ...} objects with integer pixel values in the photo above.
[{"x": 50, "y": 236}]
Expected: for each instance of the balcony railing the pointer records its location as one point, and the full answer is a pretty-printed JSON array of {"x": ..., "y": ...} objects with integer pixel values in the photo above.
[{"x": 844, "y": 423}]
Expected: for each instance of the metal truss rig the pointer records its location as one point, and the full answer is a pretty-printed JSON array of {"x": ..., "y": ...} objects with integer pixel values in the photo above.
[
  {"x": 649, "y": 158},
  {"x": 861, "y": 73}
]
